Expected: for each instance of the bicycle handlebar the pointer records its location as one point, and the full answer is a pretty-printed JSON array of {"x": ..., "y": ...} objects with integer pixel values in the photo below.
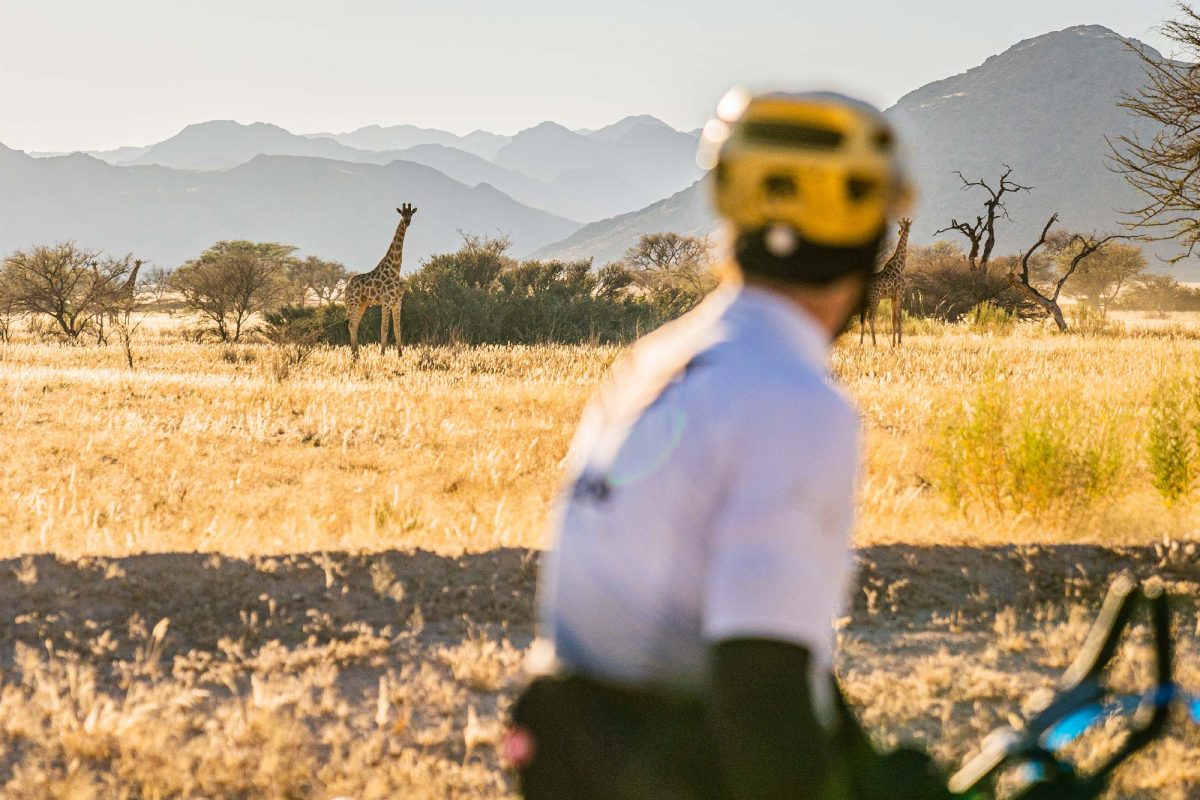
[{"x": 1078, "y": 701}]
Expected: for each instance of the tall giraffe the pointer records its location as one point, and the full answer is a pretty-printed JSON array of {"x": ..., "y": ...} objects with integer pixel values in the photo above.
[
  {"x": 122, "y": 300},
  {"x": 127, "y": 294},
  {"x": 889, "y": 282},
  {"x": 382, "y": 286}
]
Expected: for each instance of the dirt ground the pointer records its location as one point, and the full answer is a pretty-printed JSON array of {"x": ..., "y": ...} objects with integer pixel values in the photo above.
[{"x": 942, "y": 643}]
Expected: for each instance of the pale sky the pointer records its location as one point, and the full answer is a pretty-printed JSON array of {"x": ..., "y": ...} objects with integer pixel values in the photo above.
[{"x": 81, "y": 74}]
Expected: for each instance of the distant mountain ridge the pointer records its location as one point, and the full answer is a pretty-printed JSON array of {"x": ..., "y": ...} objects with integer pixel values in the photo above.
[
  {"x": 688, "y": 212},
  {"x": 334, "y": 209},
  {"x": 401, "y": 137},
  {"x": 581, "y": 176},
  {"x": 1043, "y": 106}
]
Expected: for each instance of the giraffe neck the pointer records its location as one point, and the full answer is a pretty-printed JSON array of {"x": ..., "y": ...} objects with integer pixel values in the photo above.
[
  {"x": 395, "y": 254},
  {"x": 131, "y": 282},
  {"x": 895, "y": 264}
]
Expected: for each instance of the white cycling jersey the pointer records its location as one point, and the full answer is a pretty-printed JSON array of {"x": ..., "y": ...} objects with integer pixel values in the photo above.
[{"x": 709, "y": 496}]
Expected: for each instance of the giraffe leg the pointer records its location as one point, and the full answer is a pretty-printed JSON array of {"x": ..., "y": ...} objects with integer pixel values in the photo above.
[
  {"x": 396, "y": 325},
  {"x": 874, "y": 311},
  {"x": 354, "y": 316},
  {"x": 383, "y": 327},
  {"x": 899, "y": 324},
  {"x": 862, "y": 325}
]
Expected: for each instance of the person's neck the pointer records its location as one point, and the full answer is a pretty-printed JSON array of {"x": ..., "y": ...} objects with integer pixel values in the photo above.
[{"x": 828, "y": 306}]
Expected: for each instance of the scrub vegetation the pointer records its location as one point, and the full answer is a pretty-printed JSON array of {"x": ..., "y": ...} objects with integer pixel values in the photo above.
[{"x": 261, "y": 569}]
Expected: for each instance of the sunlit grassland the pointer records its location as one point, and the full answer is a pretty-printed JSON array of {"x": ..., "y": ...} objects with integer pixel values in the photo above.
[
  {"x": 239, "y": 449},
  {"x": 213, "y": 570}
]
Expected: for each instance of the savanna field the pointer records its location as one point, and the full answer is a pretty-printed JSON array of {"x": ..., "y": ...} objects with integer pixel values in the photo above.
[{"x": 267, "y": 571}]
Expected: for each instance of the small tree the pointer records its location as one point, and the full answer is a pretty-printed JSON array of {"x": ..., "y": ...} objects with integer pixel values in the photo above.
[
  {"x": 71, "y": 285},
  {"x": 293, "y": 288},
  {"x": 156, "y": 282},
  {"x": 233, "y": 280},
  {"x": 325, "y": 279},
  {"x": 1102, "y": 277},
  {"x": 10, "y": 307},
  {"x": 672, "y": 259},
  {"x": 982, "y": 233},
  {"x": 1159, "y": 293},
  {"x": 1071, "y": 251}
]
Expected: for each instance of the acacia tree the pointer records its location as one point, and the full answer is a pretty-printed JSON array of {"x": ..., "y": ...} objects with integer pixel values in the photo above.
[
  {"x": 1165, "y": 168},
  {"x": 71, "y": 285},
  {"x": 10, "y": 308},
  {"x": 233, "y": 280},
  {"x": 1077, "y": 248},
  {"x": 157, "y": 282},
  {"x": 673, "y": 259},
  {"x": 1106, "y": 273},
  {"x": 982, "y": 233},
  {"x": 325, "y": 279}
]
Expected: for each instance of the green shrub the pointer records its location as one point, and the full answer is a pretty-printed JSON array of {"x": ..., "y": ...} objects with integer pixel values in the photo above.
[
  {"x": 478, "y": 295},
  {"x": 948, "y": 290},
  {"x": 987, "y": 317},
  {"x": 320, "y": 324},
  {"x": 1038, "y": 457},
  {"x": 1171, "y": 443},
  {"x": 1090, "y": 321}
]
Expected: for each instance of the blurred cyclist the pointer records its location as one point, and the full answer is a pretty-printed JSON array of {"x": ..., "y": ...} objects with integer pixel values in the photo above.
[{"x": 703, "y": 539}]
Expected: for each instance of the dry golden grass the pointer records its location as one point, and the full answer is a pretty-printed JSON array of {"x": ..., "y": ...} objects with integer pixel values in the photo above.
[
  {"x": 205, "y": 448},
  {"x": 266, "y": 504}
]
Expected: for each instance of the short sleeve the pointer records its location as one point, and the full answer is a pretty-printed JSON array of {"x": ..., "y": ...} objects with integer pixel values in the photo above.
[{"x": 780, "y": 563}]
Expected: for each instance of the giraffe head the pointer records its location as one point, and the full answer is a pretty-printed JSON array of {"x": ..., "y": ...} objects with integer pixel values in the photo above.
[
  {"x": 407, "y": 211},
  {"x": 905, "y": 225}
]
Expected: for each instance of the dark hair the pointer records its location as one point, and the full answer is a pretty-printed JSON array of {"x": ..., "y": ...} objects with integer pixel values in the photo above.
[{"x": 809, "y": 264}]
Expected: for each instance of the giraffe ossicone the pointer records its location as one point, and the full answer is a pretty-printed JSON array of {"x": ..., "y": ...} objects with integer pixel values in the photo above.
[{"x": 383, "y": 286}]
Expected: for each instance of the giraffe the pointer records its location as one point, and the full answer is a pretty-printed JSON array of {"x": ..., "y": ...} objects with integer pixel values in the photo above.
[
  {"x": 127, "y": 294},
  {"x": 382, "y": 286},
  {"x": 889, "y": 282},
  {"x": 122, "y": 299}
]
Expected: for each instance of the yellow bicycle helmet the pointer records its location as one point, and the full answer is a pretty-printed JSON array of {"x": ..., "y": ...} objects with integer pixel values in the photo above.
[{"x": 818, "y": 167}]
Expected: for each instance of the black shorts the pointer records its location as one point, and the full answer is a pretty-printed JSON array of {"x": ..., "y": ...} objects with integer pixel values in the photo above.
[
  {"x": 584, "y": 740},
  {"x": 590, "y": 741}
]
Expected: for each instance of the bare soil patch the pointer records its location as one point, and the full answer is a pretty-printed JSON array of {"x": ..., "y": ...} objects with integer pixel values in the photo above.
[{"x": 941, "y": 644}]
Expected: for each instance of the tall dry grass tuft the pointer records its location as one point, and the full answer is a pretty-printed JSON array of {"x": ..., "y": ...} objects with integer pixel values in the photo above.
[
  {"x": 1172, "y": 440},
  {"x": 1008, "y": 454}
]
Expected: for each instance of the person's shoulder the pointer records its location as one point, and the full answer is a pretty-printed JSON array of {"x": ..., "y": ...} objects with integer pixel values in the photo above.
[{"x": 777, "y": 406}]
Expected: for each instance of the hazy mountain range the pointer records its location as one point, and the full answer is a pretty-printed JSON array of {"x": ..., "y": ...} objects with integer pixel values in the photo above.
[
  {"x": 583, "y": 176},
  {"x": 336, "y": 209},
  {"x": 1043, "y": 106}
]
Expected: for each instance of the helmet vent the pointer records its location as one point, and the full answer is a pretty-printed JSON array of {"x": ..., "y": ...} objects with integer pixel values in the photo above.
[
  {"x": 780, "y": 187},
  {"x": 858, "y": 188},
  {"x": 788, "y": 134}
]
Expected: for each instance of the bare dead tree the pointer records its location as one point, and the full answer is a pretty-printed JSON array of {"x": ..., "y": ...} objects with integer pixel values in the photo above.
[
  {"x": 974, "y": 234},
  {"x": 1088, "y": 245},
  {"x": 1165, "y": 169},
  {"x": 982, "y": 235}
]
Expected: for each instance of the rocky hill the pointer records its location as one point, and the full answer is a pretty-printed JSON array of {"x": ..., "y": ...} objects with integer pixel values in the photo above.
[{"x": 1044, "y": 106}]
